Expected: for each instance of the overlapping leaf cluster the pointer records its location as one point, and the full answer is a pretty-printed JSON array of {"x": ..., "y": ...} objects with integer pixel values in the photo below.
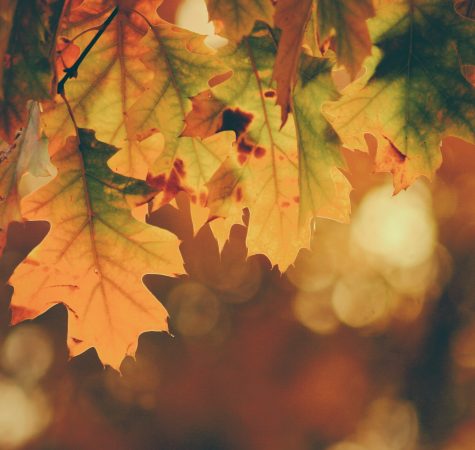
[{"x": 257, "y": 124}]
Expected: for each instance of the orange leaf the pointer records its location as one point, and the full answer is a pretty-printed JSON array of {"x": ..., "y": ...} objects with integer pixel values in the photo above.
[{"x": 95, "y": 255}]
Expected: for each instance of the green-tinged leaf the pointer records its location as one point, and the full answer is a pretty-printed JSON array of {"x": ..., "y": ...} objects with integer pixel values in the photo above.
[
  {"x": 414, "y": 92},
  {"x": 182, "y": 66},
  {"x": 324, "y": 190},
  {"x": 24, "y": 167},
  {"x": 27, "y": 45},
  {"x": 109, "y": 81},
  {"x": 236, "y": 18},
  {"x": 95, "y": 255},
  {"x": 271, "y": 169},
  {"x": 319, "y": 24}
]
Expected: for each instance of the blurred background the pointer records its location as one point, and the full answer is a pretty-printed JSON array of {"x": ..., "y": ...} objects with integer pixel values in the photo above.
[{"x": 367, "y": 343}]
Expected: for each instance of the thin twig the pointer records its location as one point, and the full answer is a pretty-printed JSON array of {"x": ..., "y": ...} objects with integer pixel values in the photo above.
[{"x": 72, "y": 72}]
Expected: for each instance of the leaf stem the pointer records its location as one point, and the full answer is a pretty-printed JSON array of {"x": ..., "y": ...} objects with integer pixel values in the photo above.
[{"x": 72, "y": 72}]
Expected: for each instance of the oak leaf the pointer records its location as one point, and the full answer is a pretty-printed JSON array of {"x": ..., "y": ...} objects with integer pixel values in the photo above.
[
  {"x": 414, "y": 91},
  {"x": 95, "y": 255}
]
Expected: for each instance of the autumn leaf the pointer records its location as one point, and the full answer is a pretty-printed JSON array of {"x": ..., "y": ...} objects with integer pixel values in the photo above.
[
  {"x": 236, "y": 18},
  {"x": 24, "y": 167},
  {"x": 27, "y": 45},
  {"x": 291, "y": 17},
  {"x": 341, "y": 22},
  {"x": 414, "y": 92},
  {"x": 283, "y": 177},
  {"x": 95, "y": 255},
  {"x": 182, "y": 66},
  {"x": 324, "y": 190},
  {"x": 109, "y": 81}
]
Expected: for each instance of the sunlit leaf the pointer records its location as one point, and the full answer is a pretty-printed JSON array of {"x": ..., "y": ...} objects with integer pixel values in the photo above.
[
  {"x": 95, "y": 255},
  {"x": 109, "y": 81},
  {"x": 340, "y": 24},
  {"x": 414, "y": 92},
  {"x": 343, "y": 24},
  {"x": 283, "y": 177},
  {"x": 236, "y": 18},
  {"x": 182, "y": 66}
]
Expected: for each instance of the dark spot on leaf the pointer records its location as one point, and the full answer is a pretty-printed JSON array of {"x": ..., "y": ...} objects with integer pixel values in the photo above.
[
  {"x": 297, "y": 199},
  {"x": 179, "y": 166},
  {"x": 158, "y": 182},
  {"x": 235, "y": 120},
  {"x": 238, "y": 194},
  {"x": 259, "y": 152},
  {"x": 269, "y": 94},
  {"x": 395, "y": 154},
  {"x": 244, "y": 146}
]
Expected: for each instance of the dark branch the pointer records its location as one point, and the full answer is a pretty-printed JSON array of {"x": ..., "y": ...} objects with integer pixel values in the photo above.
[{"x": 72, "y": 72}]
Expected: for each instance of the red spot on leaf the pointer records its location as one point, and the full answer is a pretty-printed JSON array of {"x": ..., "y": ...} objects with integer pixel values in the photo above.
[
  {"x": 158, "y": 183},
  {"x": 285, "y": 204},
  {"x": 179, "y": 166},
  {"x": 269, "y": 93},
  {"x": 238, "y": 194},
  {"x": 297, "y": 199},
  {"x": 218, "y": 79},
  {"x": 259, "y": 152},
  {"x": 242, "y": 158}
]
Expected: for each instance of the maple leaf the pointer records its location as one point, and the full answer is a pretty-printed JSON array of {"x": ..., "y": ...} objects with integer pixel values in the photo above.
[
  {"x": 291, "y": 17},
  {"x": 95, "y": 255},
  {"x": 343, "y": 22},
  {"x": 27, "y": 44},
  {"x": 235, "y": 18},
  {"x": 182, "y": 66},
  {"x": 109, "y": 81},
  {"x": 414, "y": 92},
  {"x": 283, "y": 177},
  {"x": 24, "y": 166}
]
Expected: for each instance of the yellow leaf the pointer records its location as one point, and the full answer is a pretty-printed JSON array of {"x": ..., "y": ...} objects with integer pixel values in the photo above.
[{"x": 235, "y": 18}]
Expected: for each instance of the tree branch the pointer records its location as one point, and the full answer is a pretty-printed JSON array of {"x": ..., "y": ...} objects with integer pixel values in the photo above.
[{"x": 72, "y": 72}]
